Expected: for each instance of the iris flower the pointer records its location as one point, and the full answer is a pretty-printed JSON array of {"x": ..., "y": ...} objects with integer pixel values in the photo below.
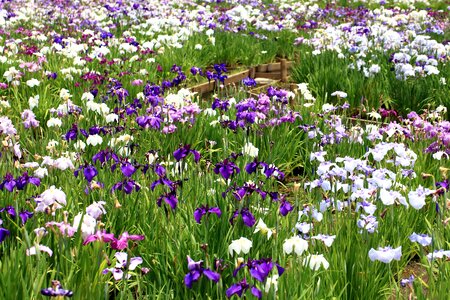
[
  {"x": 247, "y": 217},
  {"x": 241, "y": 245},
  {"x": 122, "y": 242},
  {"x": 182, "y": 152},
  {"x": 196, "y": 270},
  {"x": 122, "y": 263},
  {"x": 56, "y": 290},
  {"x": 422, "y": 239},
  {"x": 3, "y": 234},
  {"x": 203, "y": 210},
  {"x": 295, "y": 244},
  {"x": 385, "y": 254},
  {"x": 241, "y": 287}
]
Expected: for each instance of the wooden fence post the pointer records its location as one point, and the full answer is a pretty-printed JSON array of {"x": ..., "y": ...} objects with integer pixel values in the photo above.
[{"x": 284, "y": 71}]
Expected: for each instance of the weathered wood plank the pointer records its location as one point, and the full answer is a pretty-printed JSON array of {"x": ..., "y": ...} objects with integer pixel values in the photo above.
[{"x": 272, "y": 75}]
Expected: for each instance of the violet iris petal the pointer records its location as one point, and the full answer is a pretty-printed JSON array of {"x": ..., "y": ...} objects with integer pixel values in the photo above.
[{"x": 3, "y": 234}]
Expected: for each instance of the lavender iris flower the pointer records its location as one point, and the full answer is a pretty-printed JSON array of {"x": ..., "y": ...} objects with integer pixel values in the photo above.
[
  {"x": 422, "y": 239},
  {"x": 385, "y": 254},
  {"x": 407, "y": 281}
]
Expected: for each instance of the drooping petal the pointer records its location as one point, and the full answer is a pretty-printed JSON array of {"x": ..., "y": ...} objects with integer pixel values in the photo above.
[
  {"x": 211, "y": 275},
  {"x": 256, "y": 292}
]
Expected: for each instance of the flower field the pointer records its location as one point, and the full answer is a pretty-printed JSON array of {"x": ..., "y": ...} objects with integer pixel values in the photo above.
[{"x": 120, "y": 178}]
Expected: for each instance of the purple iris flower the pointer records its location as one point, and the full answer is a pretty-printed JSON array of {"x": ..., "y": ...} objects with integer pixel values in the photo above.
[
  {"x": 182, "y": 152},
  {"x": 260, "y": 268},
  {"x": 249, "y": 81},
  {"x": 251, "y": 167},
  {"x": 72, "y": 133},
  {"x": 8, "y": 182},
  {"x": 127, "y": 186},
  {"x": 196, "y": 270},
  {"x": 160, "y": 171},
  {"x": 89, "y": 172},
  {"x": 56, "y": 290},
  {"x": 222, "y": 105},
  {"x": 169, "y": 198},
  {"x": 203, "y": 210},
  {"x": 10, "y": 210},
  {"x": 164, "y": 181},
  {"x": 226, "y": 169},
  {"x": 3, "y": 234},
  {"x": 442, "y": 186},
  {"x": 285, "y": 207},
  {"x": 25, "y": 215},
  {"x": 127, "y": 169},
  {"x": 271, "y": 170},
  {"x": 241, "y": 287},
  {"x": 247, "y": 190},
  {"x": 152, "y": 121},
  {"x": 105, "y": 155},
  {"x": 25, "y": 179},
  {"x": 19, "y": 183},
  {"x": 195, "y": 70},
  {"x": 247, "y": 217}
]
